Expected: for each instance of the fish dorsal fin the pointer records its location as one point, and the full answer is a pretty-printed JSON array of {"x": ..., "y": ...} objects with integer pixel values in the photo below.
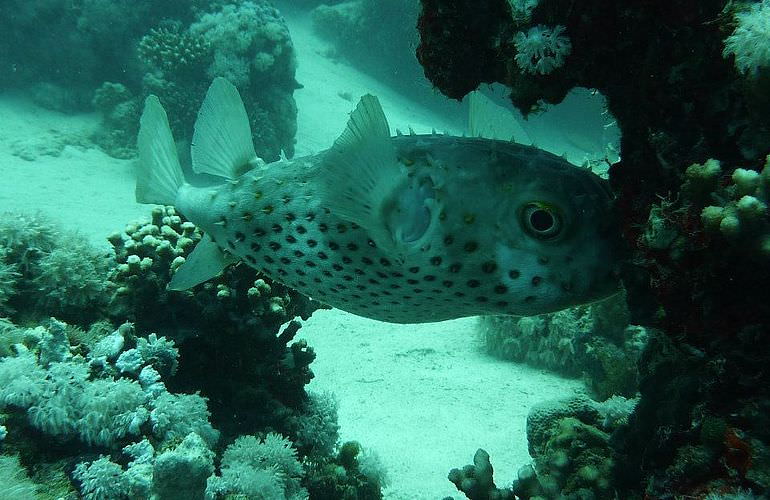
[
  {"x": 222, "y": 142},
  {"x": 206, "y": 261},
  {"x": 487, "y": 119},
  {"x": 362, "y": 172}
]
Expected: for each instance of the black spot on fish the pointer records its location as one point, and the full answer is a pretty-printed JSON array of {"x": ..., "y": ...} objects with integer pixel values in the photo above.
[
  {"x": 299, "y": 253},
  {"x": 310, "y": 217},
  {"x": 286, "y": 260},
  {"x": 543, "y": 260},
  {"x": 374, "y": 294},
  {"x": 300, "y": 229},
  {"x": 267, "y": 210},
  {"x": 282, "y": 272},
  {"x": 436, "y": 261},
  {"x": 276, "y": 228},
  {"x": 459, "y": 294},
  {"x": 259, "y": 232},
  {"x": 407, "y": 297},
  {"x": 309, "y": 263},
  {"x": 455, "y": 268},
  {"x": 412, "y": 282},
  {"x": 567, "y": 287},
  {"x": 471, "y": 246},
  {"x": 437, "y": 291},
  {"x": 536, "y": 280},
  {"x": 373, "y": 281},
  {"x": 322, "y": 256},
  {"x": 300, "y": 272},
  {"x": 302, "y": 283},
  {"x": 361, "y": 287},
  {"x": 382, "y": 275},
  {"x": 397, "y": 274},
  {"x": 341, "y": 228},
  {"x": 371, "y": 243},
  {"x": 290, "y": 217},
  {"x": 513, "y": 274},
  {"x": 346, "y": 259},
  {"x": 501, "y": 289},
  {"x": 247, "y": 216},
  {"x": 341, "y": 286},
  {"x": 429, "y": 277},
  {"x": 290, "y": 239},
  {"x": 473, "y": 283},
  {"x": 347, "y": 277},
  {"x": 482, "y": 299},
  {"x": 501, "y": 303},
  {"x": 269, "y": 259},
  {"x": 385, "y": 262},
  {"x": 332, "y": 245},
  {"x": 337, "y": 267},
  {"x": 251, "y": 259},
  {"x": 414, "y": 269},
  {"x": 356, "y": 296},
  {"x": 317, "y": 279},
  {"x": 529, "y": 299},
  {"x": 328, "y": 274},
  {"x": 312, "y": 243},
  {"x": 358, "y": 271},
  {"x": 274, "y": 245},
  {"x": 239, "y": 236},
  {"x": 323, "y": 227},
  {"x": 488, "y": 267},
  {"x": 394, "y": 286},
  {"x": 352, "y": 247},
  {"x": 447, "y": 283},
  {"x": 417, "y": 290},
  {"x": 367, "y": 261},
  {"x": 449, "y": 239}
]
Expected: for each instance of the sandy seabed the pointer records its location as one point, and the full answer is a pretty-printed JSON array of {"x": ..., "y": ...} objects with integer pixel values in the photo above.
[{"x": 424, "y": 397}]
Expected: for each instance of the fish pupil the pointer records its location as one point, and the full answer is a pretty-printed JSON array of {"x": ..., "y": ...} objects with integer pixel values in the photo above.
[{"x": 541, "y": 220}]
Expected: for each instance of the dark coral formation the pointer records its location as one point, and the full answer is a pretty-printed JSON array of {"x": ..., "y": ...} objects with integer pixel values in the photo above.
[
  {"x": 698, "y": 264},
  {"x": 238, "y": 308}
]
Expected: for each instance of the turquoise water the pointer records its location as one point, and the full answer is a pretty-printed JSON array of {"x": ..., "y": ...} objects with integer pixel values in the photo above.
[{"x": 132, "y": 387}]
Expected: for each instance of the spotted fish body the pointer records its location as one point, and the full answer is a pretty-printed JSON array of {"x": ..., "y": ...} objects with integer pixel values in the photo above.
[{"x": 404, "y": 229}]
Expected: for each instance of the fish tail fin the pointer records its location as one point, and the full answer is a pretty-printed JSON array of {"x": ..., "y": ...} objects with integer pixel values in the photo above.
[{"x": 159, "y": 175}]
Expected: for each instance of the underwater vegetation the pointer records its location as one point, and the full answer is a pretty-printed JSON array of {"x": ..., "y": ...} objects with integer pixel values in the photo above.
[
  {"x": 128, "y": 398},
  {"x": 688, "y": 84}
]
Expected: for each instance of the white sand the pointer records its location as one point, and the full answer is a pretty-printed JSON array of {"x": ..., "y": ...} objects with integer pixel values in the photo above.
[{"x": 422, "y": 396}]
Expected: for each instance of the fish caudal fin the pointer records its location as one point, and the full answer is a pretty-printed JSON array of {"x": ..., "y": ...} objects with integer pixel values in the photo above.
[
  {"x": 159, "y": 175},
  {"x": 362, "y": 173},
  {"x": 222, "y": 143}
]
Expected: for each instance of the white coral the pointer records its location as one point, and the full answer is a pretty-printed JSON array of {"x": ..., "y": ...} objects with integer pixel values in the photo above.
[{"x": 542, "y": 49}]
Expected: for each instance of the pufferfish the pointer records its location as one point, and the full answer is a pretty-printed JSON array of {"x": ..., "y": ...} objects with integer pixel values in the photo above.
[{"x": 404, "y": 229}]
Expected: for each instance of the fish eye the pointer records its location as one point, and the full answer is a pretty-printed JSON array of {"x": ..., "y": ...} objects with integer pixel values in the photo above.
[{"x": 541, "y": 220}]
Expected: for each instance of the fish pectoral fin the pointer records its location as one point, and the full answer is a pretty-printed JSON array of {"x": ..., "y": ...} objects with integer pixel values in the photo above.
[
  {"x": 206, "y": 261},
  {"x": 222, "y": 143},
  {"x": 361, "y": 172}
]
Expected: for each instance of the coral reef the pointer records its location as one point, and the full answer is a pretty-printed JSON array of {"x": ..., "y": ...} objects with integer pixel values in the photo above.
[
  {"x": 594, "y": 341},
  {"x": 128, "y": 50},
  {"x": 46, "y": 272},
  {"x": 687, "y": 83}
]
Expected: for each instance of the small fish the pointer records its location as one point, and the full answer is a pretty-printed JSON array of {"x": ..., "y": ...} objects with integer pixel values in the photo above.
[{"x": 404, "y": 229}]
